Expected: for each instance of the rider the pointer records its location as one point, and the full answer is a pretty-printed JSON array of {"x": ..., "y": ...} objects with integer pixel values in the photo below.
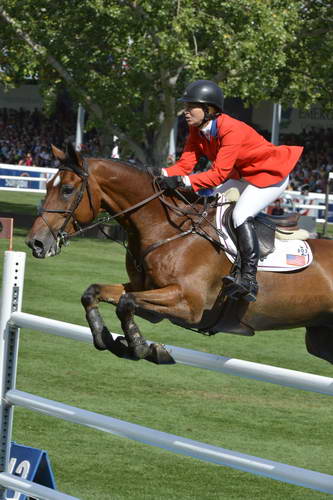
[{"x": 236, "y": 151}]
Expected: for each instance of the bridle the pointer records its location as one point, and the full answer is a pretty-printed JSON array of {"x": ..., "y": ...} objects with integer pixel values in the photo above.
[{"x": 62, "y": 236}]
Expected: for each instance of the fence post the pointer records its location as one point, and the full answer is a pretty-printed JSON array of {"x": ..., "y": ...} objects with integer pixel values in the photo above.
[
  {"x": 276, "y": 119},
  {"x": 11, "y": 301},
  {"x": 327, "y": 206}
]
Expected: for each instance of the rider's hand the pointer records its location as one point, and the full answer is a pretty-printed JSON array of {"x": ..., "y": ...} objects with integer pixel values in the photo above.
[{"x": 170, "y": 183}]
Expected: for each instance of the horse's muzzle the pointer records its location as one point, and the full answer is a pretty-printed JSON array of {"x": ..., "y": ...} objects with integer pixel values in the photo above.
[{"x": 43, "y": 248}]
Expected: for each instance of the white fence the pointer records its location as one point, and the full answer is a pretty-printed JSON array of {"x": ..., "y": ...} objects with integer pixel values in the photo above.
[
  {"x": 23, "y": 178},
  {"x": 12, "y": 318}
]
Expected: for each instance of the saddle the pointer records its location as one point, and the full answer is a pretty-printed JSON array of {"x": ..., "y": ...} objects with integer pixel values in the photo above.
[
  {"x": 269, "y": 231},
  {"x": 266, "y": 227}
]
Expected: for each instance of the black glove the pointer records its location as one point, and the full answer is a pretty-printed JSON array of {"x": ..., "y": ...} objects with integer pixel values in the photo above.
[
  {"x": 172, "y": 182},
  {"x": 154, "y": 171}
]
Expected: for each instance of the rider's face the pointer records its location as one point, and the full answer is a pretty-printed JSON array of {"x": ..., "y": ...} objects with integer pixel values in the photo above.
[{"x": 194, "y": 114}]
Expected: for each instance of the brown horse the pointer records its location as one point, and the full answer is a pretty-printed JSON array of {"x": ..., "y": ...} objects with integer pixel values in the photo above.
[{"x": 175, "y": 268}]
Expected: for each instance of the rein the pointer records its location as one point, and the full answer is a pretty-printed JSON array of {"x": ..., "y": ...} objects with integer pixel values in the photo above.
[
  {"x": 196, "y": 226},
  {"x": 109, "y": 217},
  {"x": 62, "y": 237}
]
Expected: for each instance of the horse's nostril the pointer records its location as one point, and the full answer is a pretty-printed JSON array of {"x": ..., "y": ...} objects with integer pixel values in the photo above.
[
  {"x": 30, "y": 243},
  {"x": 37, "y": 245}
]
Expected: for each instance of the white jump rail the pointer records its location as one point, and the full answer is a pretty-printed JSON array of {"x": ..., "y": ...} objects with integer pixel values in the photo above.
[
  {"x": 32, "y": 489},
  {"x": 197, "y": 359},
  {"x": 11, "y": 319},
  {"x": 18, "y": 182}
]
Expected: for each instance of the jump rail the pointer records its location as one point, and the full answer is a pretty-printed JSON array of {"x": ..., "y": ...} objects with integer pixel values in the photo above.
[
  {"x": 11, "y": 319},
  {"x": 12, "y": 180},
  {"x": 231, "y": 366}
]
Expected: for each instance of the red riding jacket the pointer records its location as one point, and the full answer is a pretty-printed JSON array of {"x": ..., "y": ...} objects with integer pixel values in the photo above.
[{"x": 236, "y": 151}]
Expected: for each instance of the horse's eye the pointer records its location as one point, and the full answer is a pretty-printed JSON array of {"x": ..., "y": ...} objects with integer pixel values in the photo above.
[{"x": 67, "y": 190}]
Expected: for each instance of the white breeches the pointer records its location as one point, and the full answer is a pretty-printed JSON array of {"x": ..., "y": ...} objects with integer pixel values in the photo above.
[{"x": 253, "y": 199}]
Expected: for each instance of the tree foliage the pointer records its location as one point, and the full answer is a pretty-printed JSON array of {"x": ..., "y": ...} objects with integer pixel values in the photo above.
[{"x": 126, "y": 61}]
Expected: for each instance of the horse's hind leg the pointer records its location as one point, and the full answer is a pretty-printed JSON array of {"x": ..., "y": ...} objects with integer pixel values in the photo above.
[{"x": 319, "y": 342}]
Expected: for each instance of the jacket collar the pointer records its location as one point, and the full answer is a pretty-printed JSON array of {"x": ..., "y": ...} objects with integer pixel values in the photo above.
[
  {"x": 213, "y": 129},
  {"x": 210, "y": 131}
]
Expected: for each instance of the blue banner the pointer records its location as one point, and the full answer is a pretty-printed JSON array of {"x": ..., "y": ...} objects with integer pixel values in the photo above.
[{"x": 22, "y": 183}]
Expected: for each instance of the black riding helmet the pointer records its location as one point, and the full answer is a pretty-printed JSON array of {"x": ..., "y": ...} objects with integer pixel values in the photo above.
[{"x": 204, "y": 92}]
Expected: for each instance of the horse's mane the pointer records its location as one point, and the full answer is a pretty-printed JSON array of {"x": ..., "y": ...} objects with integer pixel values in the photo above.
[
  {"x": 128, "y": 163},
  {"x": 134, "y": 164},
  {"x": 191, "y": 196}
]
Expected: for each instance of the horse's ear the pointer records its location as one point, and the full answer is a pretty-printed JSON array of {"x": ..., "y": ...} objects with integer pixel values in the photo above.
[
  {"x": 60, "y": 155},
  {"x": 73, "y": 155}
]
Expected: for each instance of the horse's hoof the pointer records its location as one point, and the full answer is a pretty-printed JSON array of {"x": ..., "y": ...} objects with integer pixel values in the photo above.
[
  {"x": 120, "y": 348},
  {"x": 141, "y": 351},
  {"x": 160, "y": 355}
]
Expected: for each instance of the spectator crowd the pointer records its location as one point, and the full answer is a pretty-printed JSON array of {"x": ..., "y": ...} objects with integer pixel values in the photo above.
[
  {"x": 311, "y": 172},
  {"x": 26, "y": 137}
]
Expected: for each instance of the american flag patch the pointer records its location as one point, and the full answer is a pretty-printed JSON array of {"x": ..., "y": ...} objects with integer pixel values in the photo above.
[{"x": 296, "y": 260}]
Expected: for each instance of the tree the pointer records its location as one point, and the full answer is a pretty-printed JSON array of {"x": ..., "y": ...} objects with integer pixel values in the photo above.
[
  {"x": 126, "y": 61},
  {"x": 307, "y": 77}
]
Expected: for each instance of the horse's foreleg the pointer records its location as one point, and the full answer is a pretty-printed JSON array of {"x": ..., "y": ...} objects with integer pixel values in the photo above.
[
  {"x": 171, "y": 301},
  {"x": 104, "y": 293},
  {"x": 102, "y": 337},
  {"x": 165, "y": 301}
]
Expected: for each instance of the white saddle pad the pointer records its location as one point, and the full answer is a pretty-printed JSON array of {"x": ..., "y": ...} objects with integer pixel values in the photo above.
[{"x": 288, "y": 255}]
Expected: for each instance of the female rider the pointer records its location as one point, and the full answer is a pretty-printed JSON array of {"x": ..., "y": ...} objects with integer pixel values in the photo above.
[{"x": 239, "y": 156}]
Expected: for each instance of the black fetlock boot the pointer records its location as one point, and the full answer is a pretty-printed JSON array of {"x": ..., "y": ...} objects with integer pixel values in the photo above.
[{"x": 245, "y": 285}]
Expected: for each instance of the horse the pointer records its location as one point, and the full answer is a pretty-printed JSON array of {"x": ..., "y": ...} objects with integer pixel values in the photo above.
[{"x": 174, "y": 264}]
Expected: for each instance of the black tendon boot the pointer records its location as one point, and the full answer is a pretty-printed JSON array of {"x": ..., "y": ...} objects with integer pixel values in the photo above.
[{"x": 245, "y": 285}]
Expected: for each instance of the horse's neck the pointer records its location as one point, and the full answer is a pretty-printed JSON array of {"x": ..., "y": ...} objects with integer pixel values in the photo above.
[{"x": 124, "y": 187}]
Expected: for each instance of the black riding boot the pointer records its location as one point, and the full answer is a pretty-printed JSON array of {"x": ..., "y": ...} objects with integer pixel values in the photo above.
[{"x": 245, "y": 285}]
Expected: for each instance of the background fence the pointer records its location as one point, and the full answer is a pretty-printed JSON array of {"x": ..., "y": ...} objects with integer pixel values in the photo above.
[
  {"x": 23, "y": 178},
  {"x": 33, "y": 180}
]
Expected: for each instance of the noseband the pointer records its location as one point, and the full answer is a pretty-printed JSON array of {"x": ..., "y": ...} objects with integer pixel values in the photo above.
[{"x": 62, "y": 236}]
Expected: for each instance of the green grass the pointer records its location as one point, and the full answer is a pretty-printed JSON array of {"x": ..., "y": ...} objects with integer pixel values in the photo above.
[
  {"x": 256, "y": 418},
  {"x": 21, "y": 203}
]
